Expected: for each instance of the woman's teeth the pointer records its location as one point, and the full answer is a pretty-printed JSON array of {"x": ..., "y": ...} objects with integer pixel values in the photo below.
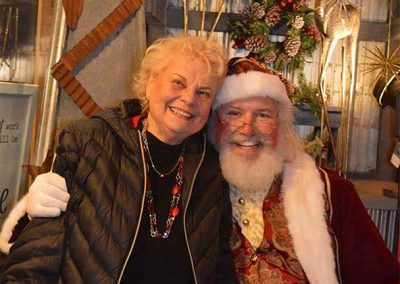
[{"x": 181, "y": 112}]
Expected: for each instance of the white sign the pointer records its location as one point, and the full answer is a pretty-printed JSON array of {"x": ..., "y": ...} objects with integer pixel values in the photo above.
[{"x": 17, "y": 105}]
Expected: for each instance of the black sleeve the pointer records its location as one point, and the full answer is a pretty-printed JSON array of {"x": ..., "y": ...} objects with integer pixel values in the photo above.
[
  {"x": 225, "y": 266},
  {"x": 36, "y": 256}
]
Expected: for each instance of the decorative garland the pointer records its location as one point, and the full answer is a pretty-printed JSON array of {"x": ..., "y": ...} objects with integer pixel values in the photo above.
[
  {"x": 253, "y": 30},
  {"x": 307, "y": 95}
]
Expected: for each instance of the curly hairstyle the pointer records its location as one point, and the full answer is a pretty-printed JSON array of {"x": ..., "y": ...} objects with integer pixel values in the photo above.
[{"x": 159, "y": 54}]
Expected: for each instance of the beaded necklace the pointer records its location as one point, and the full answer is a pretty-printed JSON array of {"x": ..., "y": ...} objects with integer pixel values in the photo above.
[{"x": 175, "y": 192}]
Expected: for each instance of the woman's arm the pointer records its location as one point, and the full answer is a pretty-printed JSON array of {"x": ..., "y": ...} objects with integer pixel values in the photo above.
[
  {"x": 36, "y": 256},
  {"x": 225, "y": 266},
  {"x": 47, "y": 197}
]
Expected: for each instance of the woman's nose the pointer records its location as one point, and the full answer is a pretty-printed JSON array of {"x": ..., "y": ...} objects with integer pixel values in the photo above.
[{"x": 188, "y": 95}]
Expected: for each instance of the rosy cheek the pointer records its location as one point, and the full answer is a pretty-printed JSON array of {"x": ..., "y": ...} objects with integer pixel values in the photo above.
[
  {"x": 274, "y": 136},
  {"x": 218, "y": 132}
]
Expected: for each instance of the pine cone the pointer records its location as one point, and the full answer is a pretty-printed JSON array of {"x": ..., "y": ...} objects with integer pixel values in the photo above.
[
  {"x": 298, "y": 22},
  {"x": 257, "y": 11},
  {"x": 286, "y": 58},
  {"x": 270, "y": 57},
  {"x": 297, "y": 4},
  {"x": 245, "y": 10},
  {"x": 254, "y": 44},
  {"x": 292, "y": 46},
  {"x": 273, "y": 16}
]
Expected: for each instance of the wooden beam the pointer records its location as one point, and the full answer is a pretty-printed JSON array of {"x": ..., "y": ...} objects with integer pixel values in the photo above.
[
  {"x": 369, "y": 31},
  {"x": 175, "y": 19},
  {"x": 156, "y": 20},
  {"x": 305, "y": 116}
]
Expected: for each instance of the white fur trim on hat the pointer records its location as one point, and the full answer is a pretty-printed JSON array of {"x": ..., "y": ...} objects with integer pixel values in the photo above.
[{"x": 251, "y": 84}]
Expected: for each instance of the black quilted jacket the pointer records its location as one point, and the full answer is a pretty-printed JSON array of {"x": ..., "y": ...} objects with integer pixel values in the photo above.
[{"x": 102, "y": 161}]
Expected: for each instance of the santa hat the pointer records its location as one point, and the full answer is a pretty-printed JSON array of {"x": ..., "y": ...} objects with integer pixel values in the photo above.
[{"x": 247, "y": 78}]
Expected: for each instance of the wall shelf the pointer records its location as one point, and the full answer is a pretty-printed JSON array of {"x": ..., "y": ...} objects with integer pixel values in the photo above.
[
  {"x": 305, "y": 116},
  {"x": 172, "y": 17}
]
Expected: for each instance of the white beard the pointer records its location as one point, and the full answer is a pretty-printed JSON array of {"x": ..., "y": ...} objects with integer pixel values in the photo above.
[{"x": 251, "y": 175}]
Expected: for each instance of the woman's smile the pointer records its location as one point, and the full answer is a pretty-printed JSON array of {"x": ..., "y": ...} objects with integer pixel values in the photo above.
[{"x": 181, "y": 113}]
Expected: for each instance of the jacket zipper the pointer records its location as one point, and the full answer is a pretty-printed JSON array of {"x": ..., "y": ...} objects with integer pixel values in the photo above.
[
  {"x": 186, "y": 206},
  {"x": 140, "y": 215}
]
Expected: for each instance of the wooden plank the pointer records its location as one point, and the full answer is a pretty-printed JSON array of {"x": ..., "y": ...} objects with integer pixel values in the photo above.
[{"x": 373, "y": 31}]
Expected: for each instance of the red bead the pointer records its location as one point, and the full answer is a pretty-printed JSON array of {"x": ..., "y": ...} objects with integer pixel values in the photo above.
[
  {"x": 290, "y": 1},
  {"x": 283, "y": 4},
  {"x": 175, "y": 212},
  {"x": 235, "y": 46},
  {"x": 175, "y": 190}
]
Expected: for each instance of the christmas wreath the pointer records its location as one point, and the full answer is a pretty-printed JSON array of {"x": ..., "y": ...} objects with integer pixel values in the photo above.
[{"x": 253, "y": 32}]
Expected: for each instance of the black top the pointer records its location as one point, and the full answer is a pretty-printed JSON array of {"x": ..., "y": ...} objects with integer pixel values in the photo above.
[{"x": 168, "y": 257}]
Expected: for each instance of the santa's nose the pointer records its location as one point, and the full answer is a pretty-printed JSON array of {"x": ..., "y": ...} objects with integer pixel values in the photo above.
[{"x": 247, "y": 127}]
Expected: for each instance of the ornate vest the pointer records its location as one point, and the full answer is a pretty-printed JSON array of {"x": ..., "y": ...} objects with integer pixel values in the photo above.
[{"x": 274, "y": 259}]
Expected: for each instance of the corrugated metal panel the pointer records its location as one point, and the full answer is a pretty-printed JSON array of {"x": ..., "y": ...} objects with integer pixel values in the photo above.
[{"x": 385, "y": 221}]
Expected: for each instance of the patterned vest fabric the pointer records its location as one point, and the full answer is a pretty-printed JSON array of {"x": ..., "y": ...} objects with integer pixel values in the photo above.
[{"x": 274, "y": 261}]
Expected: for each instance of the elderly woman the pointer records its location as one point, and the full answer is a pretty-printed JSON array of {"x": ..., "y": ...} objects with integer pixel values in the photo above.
[{"x": 148, "y": 202}]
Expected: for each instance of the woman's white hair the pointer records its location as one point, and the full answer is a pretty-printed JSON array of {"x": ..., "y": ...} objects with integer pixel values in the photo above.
[{"x": 159, "y": 54}]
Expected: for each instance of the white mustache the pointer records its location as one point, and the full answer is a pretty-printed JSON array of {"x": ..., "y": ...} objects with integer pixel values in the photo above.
[{"x": 245, "y": 139}]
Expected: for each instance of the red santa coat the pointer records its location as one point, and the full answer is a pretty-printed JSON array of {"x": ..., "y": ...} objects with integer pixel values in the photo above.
[{"x": 345, "y": 249}]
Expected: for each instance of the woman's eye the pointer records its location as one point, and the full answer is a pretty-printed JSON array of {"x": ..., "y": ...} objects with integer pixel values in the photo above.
[
  {"x": 204, "y": 95},
  {"x": 178, "y": 83}
]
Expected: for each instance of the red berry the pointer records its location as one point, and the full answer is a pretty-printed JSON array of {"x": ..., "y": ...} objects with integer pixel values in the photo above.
[
  {"x": 290, "y": 1},
  {"x": 239, "y": 38},
  {"x": 283, "y": 4},
  {"x": 235, "y": 46}
]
